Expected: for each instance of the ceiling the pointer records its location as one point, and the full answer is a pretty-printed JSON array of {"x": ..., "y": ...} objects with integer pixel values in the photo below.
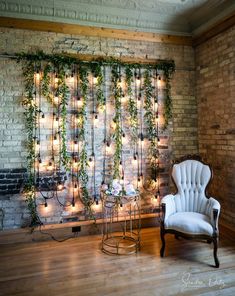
[{"x": 177, "y": 17}]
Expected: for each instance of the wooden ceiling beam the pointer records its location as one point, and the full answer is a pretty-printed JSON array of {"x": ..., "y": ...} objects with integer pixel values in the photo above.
[{"x": 74, "y": 29}]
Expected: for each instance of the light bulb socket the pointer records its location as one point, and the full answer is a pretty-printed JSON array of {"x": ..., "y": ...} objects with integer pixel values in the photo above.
[{"x": 45, "y": 204}]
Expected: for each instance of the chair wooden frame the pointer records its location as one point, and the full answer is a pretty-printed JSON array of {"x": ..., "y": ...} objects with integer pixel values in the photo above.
[{"x": 209, "y": 239}]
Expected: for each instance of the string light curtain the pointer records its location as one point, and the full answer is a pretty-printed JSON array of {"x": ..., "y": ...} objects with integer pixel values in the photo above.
[{"x": 90, "y": 122}]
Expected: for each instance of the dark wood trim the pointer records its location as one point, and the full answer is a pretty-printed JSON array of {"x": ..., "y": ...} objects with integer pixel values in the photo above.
[
  {"x": 218, "y": 28},
  {"x": 61, "y": 231},
  {"x": 74, "y": 29}
]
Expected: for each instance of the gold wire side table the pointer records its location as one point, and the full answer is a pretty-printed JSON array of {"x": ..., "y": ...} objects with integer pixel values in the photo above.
[{"x": 121, "y": 224}]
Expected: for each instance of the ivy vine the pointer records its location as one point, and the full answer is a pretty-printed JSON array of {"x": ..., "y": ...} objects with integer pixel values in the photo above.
[
  {"x": 30, "y": 113},
  {"x": 117, "y": 93},
  {"x": 132, "y": 106},
  {"x": 149, "y": 118}
]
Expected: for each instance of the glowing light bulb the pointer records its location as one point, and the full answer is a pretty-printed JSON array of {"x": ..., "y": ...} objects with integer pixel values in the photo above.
[
  {"x": 95, "y": 79},
  {"x": 158, "y": 140},
  {"x": 75, "y": 145},
  {"x": 119, "y": 84},
  {"x": 50, "y": 166},
  {"x": 124, "y": 99},
  {"x": 60, "y": 186},
  {"x": 37, "y": 145},
  {"x": 156, "y": 104},
  {"x": 139, "y": 180},
  {"x": 56, "y": 78},
  {"x": 71, "y": 78},
  {"x": 108, "y": 148},
  {"x": 139, "y": 101},
  {"x": 37, "y": 76},
  {"x": 159, "y": 81},
  {"x": 79, "y": 102},
  {"x": 55, "y": 140},
  {"x": 96, "y": 120},
  {"x": 135, "y": 159},
  {"x": 56, "y": 100},
  {"x": 138, "y": 79}
]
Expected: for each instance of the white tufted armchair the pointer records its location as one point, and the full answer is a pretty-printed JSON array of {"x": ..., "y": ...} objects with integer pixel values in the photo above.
[{"x": 190, "y": 213}]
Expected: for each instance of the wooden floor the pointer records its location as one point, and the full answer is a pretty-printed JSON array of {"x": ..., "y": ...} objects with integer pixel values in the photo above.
[{"x": 78, "y": 267}]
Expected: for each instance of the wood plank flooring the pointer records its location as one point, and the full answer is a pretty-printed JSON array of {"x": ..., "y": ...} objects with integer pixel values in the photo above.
[{"x": 78, "y": 267}]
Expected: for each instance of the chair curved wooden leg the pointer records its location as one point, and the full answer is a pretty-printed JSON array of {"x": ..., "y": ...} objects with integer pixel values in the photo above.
[
  {"x": 163, "y": 242},
  {"x": 215, "y": 241}
]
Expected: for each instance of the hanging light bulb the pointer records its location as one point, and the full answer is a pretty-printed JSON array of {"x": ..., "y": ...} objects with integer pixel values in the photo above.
[
  {"x": 139, "y": 180},
  {"x": 124, "y": 99},
  {"x": 56, "y": 100},
  {"x": 43, "y": 119},
  {"x": 156, "y": 103},
  {"x": 45, "y": 204},
  {"x": 91, "y": 160},
  {"x": 159, "y": 81},
  {"x": 60, "y": 186},
  {"x": 96, "y": 120},
  {"x": 108, "y": 147},
  {"x": 95, "y": 79},
  {"x": 135, "y": 158},
  {"x": 139, "y": 100},
  {"x": 37, "y": 145},
  {"x": 156, "y": 118},
  {"x": 50, "y": 166},
  {"x": 71, "y": 77},
  {"x": 119, "y": 84},
  {"x": 37, "y": 76},
  {"x": 120, "y": 165},
  {"x": 138, "y": 79},
  {"x": 79, "y": 102},
  {"x": 56, "y": 78},
  {"x": 75, "y": 145},
  {"x": 158, "y": 141},
  {"x": 124, "y": 138},
  {"x": 55, "y": 140}
]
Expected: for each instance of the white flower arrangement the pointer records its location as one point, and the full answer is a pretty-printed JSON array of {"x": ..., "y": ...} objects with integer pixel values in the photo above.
[{"x": 117, "y": 189}]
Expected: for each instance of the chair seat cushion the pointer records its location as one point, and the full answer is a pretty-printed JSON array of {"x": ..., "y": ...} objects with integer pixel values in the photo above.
[{"x": 190, "y": 223}]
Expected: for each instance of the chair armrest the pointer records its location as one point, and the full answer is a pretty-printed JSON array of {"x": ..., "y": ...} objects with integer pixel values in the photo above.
[
  {"x": 168, "y": 206},
  {"x": 213, "y": 211}
]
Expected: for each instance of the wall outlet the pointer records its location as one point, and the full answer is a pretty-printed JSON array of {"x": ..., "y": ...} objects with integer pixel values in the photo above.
[{"x": 76, "y": 229}]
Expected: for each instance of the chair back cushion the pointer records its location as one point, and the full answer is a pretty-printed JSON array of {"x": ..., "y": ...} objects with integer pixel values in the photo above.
[{"x": 191, "y": 178}]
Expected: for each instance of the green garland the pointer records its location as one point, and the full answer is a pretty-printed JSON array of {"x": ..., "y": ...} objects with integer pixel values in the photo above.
[
  {"x": 117, "y": 93},
  {"x": 30, "y": 113},
  {"x": 168, "y": 69},
  {"x": 149, "y": 118},
  {"x": 83, "y": 159},
  {"x": 63, "y": 93},
  {"x": 98, "y": 73},
  {"x": 132, "y": 106}
]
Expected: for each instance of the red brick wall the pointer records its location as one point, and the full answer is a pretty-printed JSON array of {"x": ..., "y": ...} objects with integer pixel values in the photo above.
[{"x": 215, "y": 90}]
